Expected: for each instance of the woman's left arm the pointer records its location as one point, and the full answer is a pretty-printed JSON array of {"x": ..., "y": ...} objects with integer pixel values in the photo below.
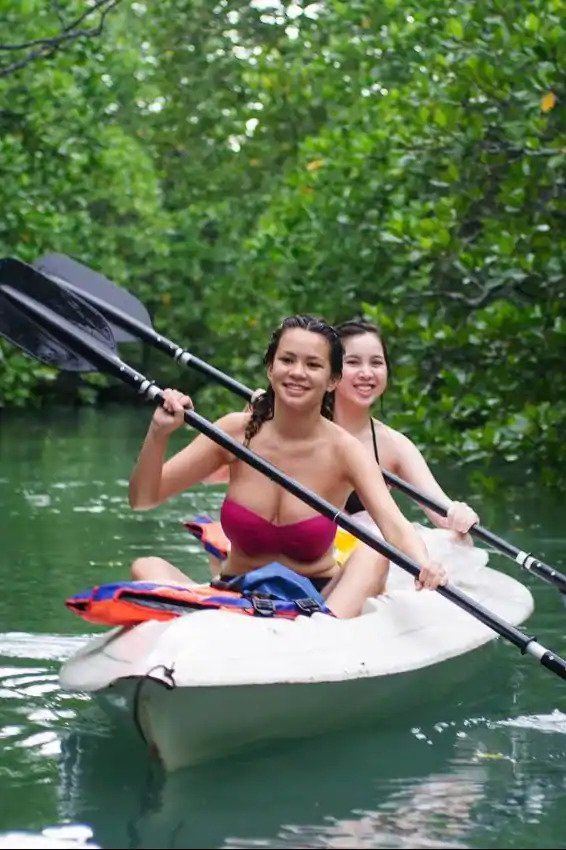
[
  {"x": 366, "y": 479},
  {"x": 413, "y": 468}
]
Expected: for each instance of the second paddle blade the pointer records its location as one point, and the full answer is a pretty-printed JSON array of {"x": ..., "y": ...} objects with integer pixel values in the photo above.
[
  {"x": 18, "y": 329},
  {"x": 63, "y": 268},
  {"x": 22, "y": 331}
]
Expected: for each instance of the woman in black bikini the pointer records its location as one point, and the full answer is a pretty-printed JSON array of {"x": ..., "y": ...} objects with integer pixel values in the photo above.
[{"x": 365, "y": 374}]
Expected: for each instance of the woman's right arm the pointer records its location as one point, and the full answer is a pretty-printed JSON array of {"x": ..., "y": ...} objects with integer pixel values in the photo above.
[{"x": 155, "y": 480}]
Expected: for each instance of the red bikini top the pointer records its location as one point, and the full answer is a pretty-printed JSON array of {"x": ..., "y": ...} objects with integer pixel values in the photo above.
[{"x": 304, "y": 541}]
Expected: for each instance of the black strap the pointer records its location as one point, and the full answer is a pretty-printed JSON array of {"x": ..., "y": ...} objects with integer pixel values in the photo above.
[
  {"x": 168, "y": 672},
  {"x": 374, "y": 439},
  {"x": 354, "y": 504},
  {"x": 262, "y": 606},
  {"x": 308, "y": 606}
]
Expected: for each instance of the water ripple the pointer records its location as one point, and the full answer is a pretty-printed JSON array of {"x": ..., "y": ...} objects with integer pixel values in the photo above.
[
  {"x": 66, "y": 837},
  {"x": 554, "y": 722},
  {"x": 45, "y": 647}
]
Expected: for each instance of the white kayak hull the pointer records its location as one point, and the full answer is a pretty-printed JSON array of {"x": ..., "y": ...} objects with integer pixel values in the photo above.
[
  {"x": 188, "y": 726},
  {"x": 211, "y": 682}
]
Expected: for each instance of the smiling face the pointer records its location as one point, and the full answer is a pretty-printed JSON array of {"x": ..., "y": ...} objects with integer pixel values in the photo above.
[
  {"x": 364, "y": 375},
  {"x": 300, "y": 373}
]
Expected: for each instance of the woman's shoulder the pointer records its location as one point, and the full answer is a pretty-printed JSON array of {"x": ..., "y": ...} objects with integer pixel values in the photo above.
[
  {"x": 393, "y": 441},
  {"x": 234, "y": 424},
  {"x": 341, "y": 439}
]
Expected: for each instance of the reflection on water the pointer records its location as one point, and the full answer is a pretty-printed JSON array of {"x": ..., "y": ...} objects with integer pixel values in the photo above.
[
  {"x": 370, "y": 789},
  {"x": 484, "y": 769},
  {"x": 428, "y": 813},
  {"x": 453, "y": 780}
]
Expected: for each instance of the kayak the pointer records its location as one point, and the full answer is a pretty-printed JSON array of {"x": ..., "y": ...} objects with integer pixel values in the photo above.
[
  {"x": 210, "y": 681},
  {"x": 207, "y": 683}
]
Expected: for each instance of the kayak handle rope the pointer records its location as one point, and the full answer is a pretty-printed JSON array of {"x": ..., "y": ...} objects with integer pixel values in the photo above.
[{"x": 168, "y": 681}]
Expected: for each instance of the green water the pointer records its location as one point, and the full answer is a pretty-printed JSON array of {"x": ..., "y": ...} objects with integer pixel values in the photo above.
[{"x": 486, "y": 770}]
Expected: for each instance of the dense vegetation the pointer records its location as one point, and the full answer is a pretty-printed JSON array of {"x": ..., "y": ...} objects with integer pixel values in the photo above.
[{"x": 235, "y": 162}]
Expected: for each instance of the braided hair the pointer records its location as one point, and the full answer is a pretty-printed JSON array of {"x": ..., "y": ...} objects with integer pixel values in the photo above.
[{"x": 263, "y": 407}]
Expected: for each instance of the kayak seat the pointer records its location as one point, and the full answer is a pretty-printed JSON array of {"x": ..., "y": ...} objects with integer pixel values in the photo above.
[{"x": 210, "y": 534}]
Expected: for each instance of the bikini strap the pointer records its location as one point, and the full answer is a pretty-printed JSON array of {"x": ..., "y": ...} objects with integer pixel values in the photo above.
[{"x": 374, "y": 438}]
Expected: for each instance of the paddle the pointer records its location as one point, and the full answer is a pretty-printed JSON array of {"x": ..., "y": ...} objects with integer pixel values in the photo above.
[
  {"x": 71, "y": 330},
  {"x": 126, "y": 315}
]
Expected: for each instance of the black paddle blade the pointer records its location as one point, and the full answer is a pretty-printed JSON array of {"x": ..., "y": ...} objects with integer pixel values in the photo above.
[
  {"x": 25, "y": 334},
  {"x": 31, "y": 337},
  {"x": 64, "y": 269}
]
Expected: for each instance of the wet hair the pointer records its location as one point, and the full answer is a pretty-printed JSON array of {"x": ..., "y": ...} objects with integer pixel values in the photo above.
[{"x": 263, "y": 407}]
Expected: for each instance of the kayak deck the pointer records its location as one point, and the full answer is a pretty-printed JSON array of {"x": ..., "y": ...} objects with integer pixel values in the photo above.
[{"x": 400, "y": 631}]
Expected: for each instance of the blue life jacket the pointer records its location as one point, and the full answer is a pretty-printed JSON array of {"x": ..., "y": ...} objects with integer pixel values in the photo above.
[{"x": 275, "y": 582}]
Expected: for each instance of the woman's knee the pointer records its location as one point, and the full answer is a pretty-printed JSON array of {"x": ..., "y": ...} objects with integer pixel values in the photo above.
[
  {"x": 361, "y": 578},
  {"x": 153, "y": 568},
  {"x": 370, "y": 569},
  {"x": 381, "y": 571},
  {"x": 146, "y": 567}
]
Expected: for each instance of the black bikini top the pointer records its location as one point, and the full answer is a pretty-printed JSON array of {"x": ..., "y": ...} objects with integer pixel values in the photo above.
[{"x": 354, "y": 504}]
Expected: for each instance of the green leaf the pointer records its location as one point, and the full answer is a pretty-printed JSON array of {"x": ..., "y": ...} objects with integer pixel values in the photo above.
[{"x": 455, "y": 28}]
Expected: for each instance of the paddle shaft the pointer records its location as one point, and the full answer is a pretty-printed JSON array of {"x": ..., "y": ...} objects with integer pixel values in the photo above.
[
  {"x": 148, "y": 334},
  {"x": 106, "y": 360},
  {"x": 524, "y": 559}
]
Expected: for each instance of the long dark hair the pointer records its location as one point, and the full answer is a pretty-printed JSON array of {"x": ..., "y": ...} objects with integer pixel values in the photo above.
[
  {"x": 263, "y": 407},
  {"x": 357, "y": 327}
]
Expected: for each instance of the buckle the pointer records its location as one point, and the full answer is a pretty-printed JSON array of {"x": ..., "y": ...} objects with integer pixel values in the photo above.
[
  {"x": 263, "y": 607},
  {"x": 308, "y": 606}
]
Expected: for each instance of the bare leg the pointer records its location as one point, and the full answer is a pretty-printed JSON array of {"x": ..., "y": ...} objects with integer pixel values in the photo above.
[
  {"x": 157, "y": 569},
  {"x": 215, "y": 565},
  {"x": 364, "y": 574}
]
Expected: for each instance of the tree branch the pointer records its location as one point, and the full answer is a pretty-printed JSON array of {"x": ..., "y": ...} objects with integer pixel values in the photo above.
[
  {"x": 45, "y": 47},
  {"x": 58, "y": 11},
  {"x": 482, "y": 299}
]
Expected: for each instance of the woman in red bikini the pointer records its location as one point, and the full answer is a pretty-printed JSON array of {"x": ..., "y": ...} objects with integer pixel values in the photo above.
[{"x": 288, "y": 425}]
